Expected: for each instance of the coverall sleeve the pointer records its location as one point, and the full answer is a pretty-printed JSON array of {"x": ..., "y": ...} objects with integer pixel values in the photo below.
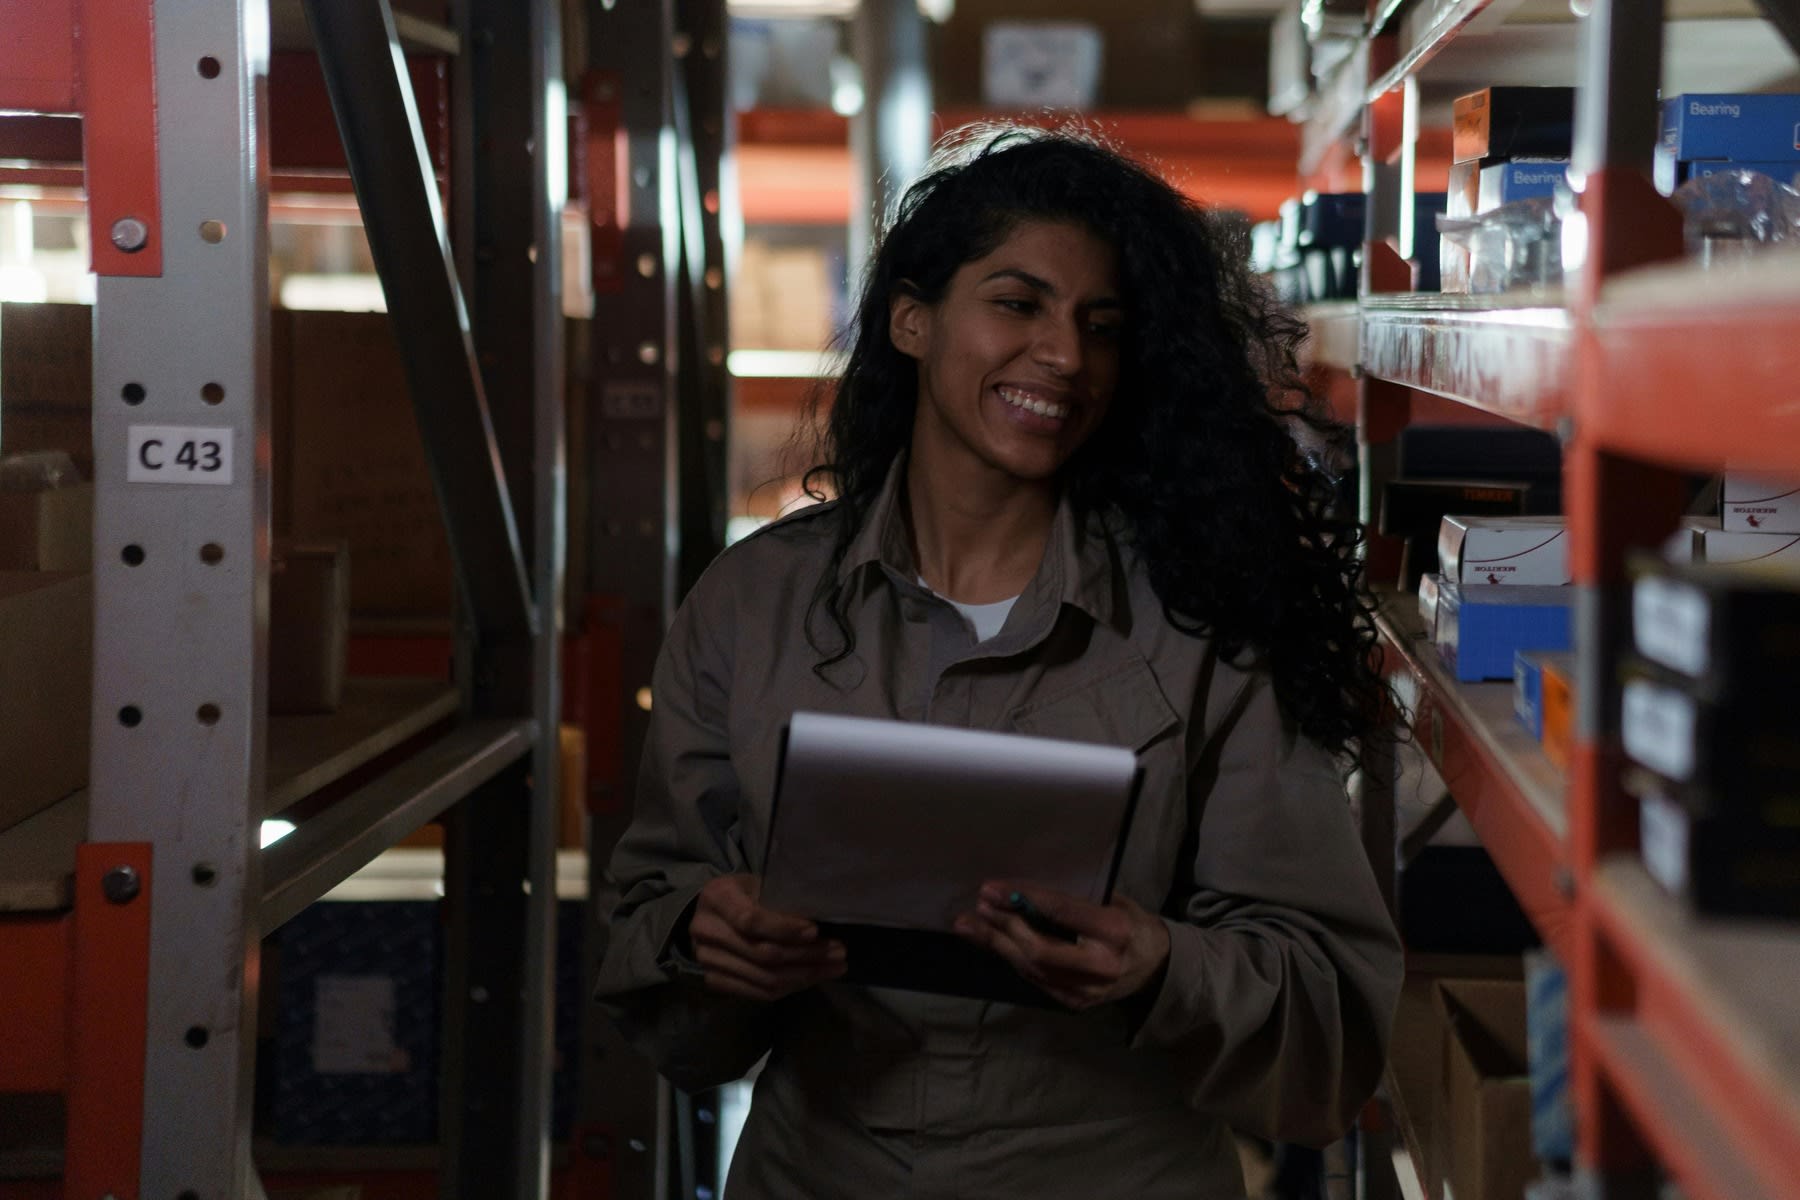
[
  {"x": 1284, "y": 967},
  {"x": 683, "y": 833}
]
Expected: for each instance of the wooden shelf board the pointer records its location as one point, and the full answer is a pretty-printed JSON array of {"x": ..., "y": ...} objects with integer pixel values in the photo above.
[
  {"x": 37, "y": 857},
  {"x": 1719, "y": 997},
  {"x": 1700, "y": 366},
  {"x": 1509, "y": 356},
  {"x": 1514, "y": 796}
]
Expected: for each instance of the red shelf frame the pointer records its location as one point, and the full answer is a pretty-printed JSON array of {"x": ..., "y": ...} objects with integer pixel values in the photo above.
[
  {"x": 1512, "y": 362},
  {"x": 1674, "y": 335},
  {"x": 1490, "y": 782}
]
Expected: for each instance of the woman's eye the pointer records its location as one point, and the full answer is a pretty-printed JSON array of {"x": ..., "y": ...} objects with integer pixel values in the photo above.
[
  {"x": 1011, "y": 304},
  {"x": 1106, "y": 331}
]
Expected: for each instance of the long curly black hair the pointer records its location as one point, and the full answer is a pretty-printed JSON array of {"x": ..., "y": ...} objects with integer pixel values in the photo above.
[{"x": 1197, "y": 454}]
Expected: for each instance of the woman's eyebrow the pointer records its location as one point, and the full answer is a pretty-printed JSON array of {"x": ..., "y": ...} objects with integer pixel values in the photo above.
[{"x": 1046, "y": 287}]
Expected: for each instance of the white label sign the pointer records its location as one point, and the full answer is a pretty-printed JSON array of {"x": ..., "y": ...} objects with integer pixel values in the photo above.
[{"x": 179, "y": 454}]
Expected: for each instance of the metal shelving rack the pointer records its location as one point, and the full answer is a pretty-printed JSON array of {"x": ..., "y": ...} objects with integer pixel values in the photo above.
[
  {"x": 138, "y": 983},
  {"x": 1685, "y": 1035}
]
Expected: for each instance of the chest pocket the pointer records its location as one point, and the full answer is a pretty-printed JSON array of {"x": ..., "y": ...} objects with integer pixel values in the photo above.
[{"x": 1124, "y": 707}]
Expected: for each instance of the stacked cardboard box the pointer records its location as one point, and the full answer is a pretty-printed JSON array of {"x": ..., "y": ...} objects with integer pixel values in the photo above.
[
  {"x": 1504, "y": 588},
  {"x": 46, "y": 665}
]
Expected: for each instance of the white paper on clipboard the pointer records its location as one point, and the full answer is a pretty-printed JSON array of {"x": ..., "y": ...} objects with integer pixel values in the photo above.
[{"x": 898, "y": 824}]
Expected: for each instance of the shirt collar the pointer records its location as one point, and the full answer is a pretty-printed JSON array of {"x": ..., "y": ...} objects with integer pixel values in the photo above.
[{"x": 1078, "y": 566}]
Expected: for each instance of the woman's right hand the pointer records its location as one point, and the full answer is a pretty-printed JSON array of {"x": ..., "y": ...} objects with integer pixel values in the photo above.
[{"x": 754, "y": 952}]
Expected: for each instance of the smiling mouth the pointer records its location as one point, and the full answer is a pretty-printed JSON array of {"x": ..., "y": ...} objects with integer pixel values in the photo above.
[{"x": 1033, "y": 404}]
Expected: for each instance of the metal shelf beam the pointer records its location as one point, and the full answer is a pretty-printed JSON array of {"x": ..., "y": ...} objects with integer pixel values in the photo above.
[{"x": 326, "y": 849}]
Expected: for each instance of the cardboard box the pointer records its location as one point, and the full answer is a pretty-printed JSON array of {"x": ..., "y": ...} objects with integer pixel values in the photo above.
[
  {"x": 1743, "y": 127},
  {"x": 46, "y": 679},
  {"x": 1753, "y": 504},
  {"x": 356, "y": 466},
  {"x": 51, "y": 529},
  {"x": 1558, "y": 672},
  {"x": 1500, "y": 123},
  {"x": 1151, "y": 49},
  {"x": 1480, "y": 629},
  {"x": 1485, "y": 1114},
  {"x": 47, "y": 379},
  {"x": 1414, "y": 509},
  {"x": 1515, "y": 551},
  {"x": 309, "y": 626}
]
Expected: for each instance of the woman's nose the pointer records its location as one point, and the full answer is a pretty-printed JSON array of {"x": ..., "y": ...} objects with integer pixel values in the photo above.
[{"x": 1058, "y": 346}]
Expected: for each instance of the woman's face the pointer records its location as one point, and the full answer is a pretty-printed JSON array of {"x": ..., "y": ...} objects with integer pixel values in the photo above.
[{"x": 1019, "y": 358}]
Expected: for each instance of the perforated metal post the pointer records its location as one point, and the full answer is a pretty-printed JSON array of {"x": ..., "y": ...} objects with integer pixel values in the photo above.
[
  {"x": 181, "y": 543},
  {"x": 633, "y": 472}
]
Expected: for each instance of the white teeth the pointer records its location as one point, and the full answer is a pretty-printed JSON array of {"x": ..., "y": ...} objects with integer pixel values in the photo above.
[{"x": 1029, "y": 403}]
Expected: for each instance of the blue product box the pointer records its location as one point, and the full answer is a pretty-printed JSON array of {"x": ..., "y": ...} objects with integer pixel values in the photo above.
[
  {"x": 1739, "y": 127},
  {"x": 1521, "y": 179},
  {"x": 1547, "y": 1057},
  {"x": 1480, "y": 629},
  {"x": 357, "y": 1033},
  {"x": 1528, "y": 693},
  {"x": 1780, "y": 172}
]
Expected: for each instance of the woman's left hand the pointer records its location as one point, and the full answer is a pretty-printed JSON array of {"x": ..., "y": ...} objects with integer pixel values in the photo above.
[{"x": 1120, "y": 950}]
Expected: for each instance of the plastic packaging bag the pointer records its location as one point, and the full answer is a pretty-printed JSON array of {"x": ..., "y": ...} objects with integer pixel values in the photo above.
[
  {"x": 1517, "y": 245},
  {"x": 1730, "y": 216}
]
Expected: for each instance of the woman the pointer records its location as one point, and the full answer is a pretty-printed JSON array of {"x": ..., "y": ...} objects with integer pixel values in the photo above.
[{"x": 1065, "y": 506}]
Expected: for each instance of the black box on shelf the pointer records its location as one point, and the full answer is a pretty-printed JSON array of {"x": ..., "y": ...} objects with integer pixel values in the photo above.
[
  {"x": 1734, "y": 749},
  {"x": 1501, "y": 123},
  {"x": 1453, "y": 900},
  {"x": 1726, "y": 629},
  {"x": 1414, "y": 509},
  {"x": 1719, "y": 865}
]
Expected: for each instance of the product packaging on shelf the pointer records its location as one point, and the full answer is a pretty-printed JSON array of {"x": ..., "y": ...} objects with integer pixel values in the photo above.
[
  {"x": 1558, "y": 685},
  {"x": 1428, "y": 603},
  {"x": 1719, "y": 865},
  {"x": 46, "y": 669},
  {"x": 1414, "y": 509},
  {"x": 1528, "y": 692},
  {"x": 1480, "y": 629},
  {"x": 1511, "y": 551},
  {"x": 1547, "y": 1030},
  {"x": 1500, "y": 123},
  {"x": 1731, "y": 749},
  {"x": 1742, "y": 127},
  {"x": 1725, "y": 629},
  {"x": 1758, "y": 504},
  {"x": 309, "y": 625},
  {"x": 1476, "y": 189}
]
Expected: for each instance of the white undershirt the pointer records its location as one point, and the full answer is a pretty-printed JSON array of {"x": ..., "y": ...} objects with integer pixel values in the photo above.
[{"x": 985, "y": 618}]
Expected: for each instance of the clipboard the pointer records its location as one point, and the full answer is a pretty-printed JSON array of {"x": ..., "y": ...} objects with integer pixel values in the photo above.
[{"x": 882, "y": 831}]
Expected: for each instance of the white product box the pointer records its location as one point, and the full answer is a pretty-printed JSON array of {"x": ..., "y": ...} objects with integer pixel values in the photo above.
[
  {"x": 1428, "y": 603},
  {"x": 1778, "y": 550},
  {"x": 1749, "y": 503},
  {"x": 1518, "y": 551}
]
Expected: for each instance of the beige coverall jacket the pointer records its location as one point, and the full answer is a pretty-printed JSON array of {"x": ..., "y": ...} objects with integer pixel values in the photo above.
[{"x": 1283, "y": 969}]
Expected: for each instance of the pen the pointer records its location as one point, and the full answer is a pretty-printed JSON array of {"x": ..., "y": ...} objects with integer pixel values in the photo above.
[{"x": 1035, "y": 918}]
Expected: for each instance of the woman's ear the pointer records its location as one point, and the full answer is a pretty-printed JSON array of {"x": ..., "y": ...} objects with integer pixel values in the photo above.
[{"x": 909, "y": 322}]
